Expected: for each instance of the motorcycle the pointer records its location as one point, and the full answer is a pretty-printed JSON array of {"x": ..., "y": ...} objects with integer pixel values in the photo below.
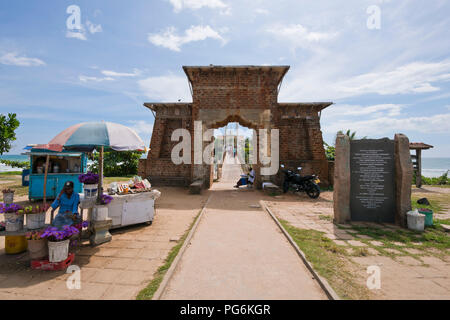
[{"x": 295, "y": 181}]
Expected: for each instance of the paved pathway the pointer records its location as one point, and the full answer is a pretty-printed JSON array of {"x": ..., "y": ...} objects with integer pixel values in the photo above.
[{"x": 238, "y": 252}]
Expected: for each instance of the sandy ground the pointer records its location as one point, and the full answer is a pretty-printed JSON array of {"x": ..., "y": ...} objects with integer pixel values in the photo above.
[
  {"x": 238, "y": 252},
  {"x": 115, "y": 270}
]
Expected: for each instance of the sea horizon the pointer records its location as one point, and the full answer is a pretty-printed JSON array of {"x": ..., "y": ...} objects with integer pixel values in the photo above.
[{"x": 431, "y": 166}]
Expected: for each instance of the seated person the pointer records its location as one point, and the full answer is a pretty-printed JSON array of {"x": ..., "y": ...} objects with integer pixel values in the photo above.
[
  {"x": 67, "y": 201},
  {"x": 246, "y": 179}
]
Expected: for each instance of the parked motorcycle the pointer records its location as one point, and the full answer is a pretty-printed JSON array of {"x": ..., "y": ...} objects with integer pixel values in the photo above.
[{"x": 295, "y": 181}]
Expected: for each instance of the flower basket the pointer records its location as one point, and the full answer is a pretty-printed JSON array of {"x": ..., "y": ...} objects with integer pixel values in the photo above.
[
  {"x": 58, "y": 251},
  {"x": 35, "y": 220},
  {"x": 37, "y": 249},
  {"x": 14, "y": 222},
  {"x": 90, "y": 191}
]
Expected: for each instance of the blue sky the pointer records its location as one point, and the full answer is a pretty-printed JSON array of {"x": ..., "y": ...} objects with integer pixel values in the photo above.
[{"x": 382, "y": 81}]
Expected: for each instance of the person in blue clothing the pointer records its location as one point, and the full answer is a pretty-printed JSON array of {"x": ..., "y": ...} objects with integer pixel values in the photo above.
[{"x": 67, "y": 201}]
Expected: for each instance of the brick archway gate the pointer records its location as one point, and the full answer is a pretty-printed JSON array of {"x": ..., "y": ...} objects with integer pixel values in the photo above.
[{"x": 244, "y": 94}]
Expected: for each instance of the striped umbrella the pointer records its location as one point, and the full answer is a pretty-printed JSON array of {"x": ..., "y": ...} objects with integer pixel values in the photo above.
[
  {"x": 88, "y": 136},
  {"x": 100, "y": 136}
]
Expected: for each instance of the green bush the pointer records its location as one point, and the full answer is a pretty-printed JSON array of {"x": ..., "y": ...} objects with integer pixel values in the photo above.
[
  {"x": 116, "y": 164},
  {"x": 442, "y": 180},
  {"x": 16, "y": 164}
]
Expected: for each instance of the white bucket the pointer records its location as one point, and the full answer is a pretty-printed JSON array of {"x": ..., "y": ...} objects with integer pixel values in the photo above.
[
  {"x": 37, "y": 249},
  {"x": 35, "y": 220},
  {"x": 100, "y": 213},
  {"x": 58, "y": 251},
  {"x": 90, "y": 191},
  {"x": 14, "y": 222},
  {"x": 416, "y": 221},
  {"x": 8, "y": 198}
]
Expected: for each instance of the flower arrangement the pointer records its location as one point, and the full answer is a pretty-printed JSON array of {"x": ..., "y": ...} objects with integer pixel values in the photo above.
[
  {"x": 8, "y": 190},
  {"x": 36, "y": 209},
  {"x": 88, "y": 178},
  {"x": 82, "y": 225},
  {"x": 53, "y": 234},
  {"x": 11, "y": 208},
  {"x": 34, "y": 235},
  {"x": 105, "y": 199}
]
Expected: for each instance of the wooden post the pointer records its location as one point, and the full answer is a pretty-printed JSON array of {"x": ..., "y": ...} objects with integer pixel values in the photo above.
[
  {"x": 100, "y": 173},
  {"x": 47, "y": 160},
  {"x": 419, "y": 168}
]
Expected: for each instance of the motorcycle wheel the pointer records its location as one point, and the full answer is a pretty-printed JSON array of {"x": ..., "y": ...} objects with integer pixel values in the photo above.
[
  {"x": 285, "y": 186},
  {"x": 313, "y": 191}
]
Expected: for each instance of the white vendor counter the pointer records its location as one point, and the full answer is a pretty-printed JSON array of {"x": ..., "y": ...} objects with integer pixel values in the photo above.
[{"x": 131, "y": 209}]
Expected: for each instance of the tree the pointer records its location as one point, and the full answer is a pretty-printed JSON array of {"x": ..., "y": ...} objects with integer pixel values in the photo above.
[
  {"x": 116, "y": 164},
  {"x": 351, "y": 135},
  {"x": 8, "y": 126}
]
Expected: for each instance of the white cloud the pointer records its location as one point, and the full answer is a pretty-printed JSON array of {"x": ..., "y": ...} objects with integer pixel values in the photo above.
[
  {"x": 76, "y": 35},
  {"x": 324, "y": 83},
  {"x": 298, "y": 35},
  {"x": 142, "y": 127},
  {"x": 346, "y": 110},
  {"x": 13, "y": 59},
  {"x": 170, "y": 40},
  {"x": 439, "y": 123},
  {"x": 179, "y": 5},
  {"x": 262, "y": 11},
  {"x": 110, "y": 73},
  {"x": 416, "y": 77},
  {"x": 94, "y": 28},
  {"x": 94, "y": 79},
  {"x": 166, "y": 88}
]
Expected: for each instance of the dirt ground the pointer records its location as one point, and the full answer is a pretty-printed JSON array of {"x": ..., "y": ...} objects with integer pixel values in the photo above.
[
  {"x": 410, "y": 270},
  {"x": 115, "y": 270}
]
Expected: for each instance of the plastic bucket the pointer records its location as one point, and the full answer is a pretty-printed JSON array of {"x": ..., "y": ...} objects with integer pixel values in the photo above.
[
  {"x": 416, "y": 221},
  {"x": 37, "y": 249},
  {"x": 35, "y": 220},
  {"x": 15, "y": 244},
  {"x": 14, "y": 222},
  {"x": 90, "y": 191},
  {"x": 58, "y": 251},
  {"x": 8, "y": 198},
  {"x": 428, "y": 216}
]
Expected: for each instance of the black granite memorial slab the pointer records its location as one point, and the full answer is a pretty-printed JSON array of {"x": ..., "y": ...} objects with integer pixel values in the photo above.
[{"x": 372, "y": 180}]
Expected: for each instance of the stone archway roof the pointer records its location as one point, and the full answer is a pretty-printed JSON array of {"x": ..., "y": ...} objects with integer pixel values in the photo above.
[{"x": 280, "y": 71}]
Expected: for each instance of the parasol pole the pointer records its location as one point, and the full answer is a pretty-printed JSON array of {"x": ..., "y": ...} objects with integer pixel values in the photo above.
[
  {"x": 100, "y": 173},
  {"x": 45, "y": 178}
]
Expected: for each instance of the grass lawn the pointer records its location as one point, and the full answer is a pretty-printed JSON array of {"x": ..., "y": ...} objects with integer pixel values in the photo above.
[{"x": 329, "y": 260}]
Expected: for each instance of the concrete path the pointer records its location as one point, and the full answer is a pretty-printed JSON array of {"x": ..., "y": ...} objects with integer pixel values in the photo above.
[{"x": 238, "y": 252}]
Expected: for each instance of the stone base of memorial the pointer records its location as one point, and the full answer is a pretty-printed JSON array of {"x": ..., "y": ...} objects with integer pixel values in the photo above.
[{"x": 100, "y": 231}]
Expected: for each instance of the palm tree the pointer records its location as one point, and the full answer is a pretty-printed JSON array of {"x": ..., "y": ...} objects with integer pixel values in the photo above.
[{"x": 351, "y": 135}]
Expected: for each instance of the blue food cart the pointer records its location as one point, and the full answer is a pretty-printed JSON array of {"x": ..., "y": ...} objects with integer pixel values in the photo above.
[{"x": 63, "y": 166}]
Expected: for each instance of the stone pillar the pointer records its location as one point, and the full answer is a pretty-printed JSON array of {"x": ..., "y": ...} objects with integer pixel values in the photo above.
[
  {"x": 403, "y": 178},
  {"x": 341, "y": 193}
]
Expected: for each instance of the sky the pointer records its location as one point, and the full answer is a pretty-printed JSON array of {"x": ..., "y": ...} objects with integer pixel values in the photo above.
[{"x": 384, "y": 64}]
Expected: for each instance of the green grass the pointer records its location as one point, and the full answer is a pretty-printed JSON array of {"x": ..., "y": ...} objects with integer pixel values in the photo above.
[
  {"x": 436, "y": 203},
  {"x": 148, "y": 292},
  {"x": 329, "y": 260},
  {"x": 11, "y": 173},
  {"x": 434, "y": 240}
]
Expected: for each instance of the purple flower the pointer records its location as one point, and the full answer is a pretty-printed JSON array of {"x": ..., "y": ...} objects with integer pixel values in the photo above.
[
  {"x": 105, "y": 199},
  {"x": 54, "y": 234},
  {"x": 88, "y": 178},
  {"x": 11, "y": 208}
]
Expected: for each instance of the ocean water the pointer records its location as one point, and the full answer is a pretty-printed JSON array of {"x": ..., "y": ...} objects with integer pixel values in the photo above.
[{"x": 435, "y": 167}]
